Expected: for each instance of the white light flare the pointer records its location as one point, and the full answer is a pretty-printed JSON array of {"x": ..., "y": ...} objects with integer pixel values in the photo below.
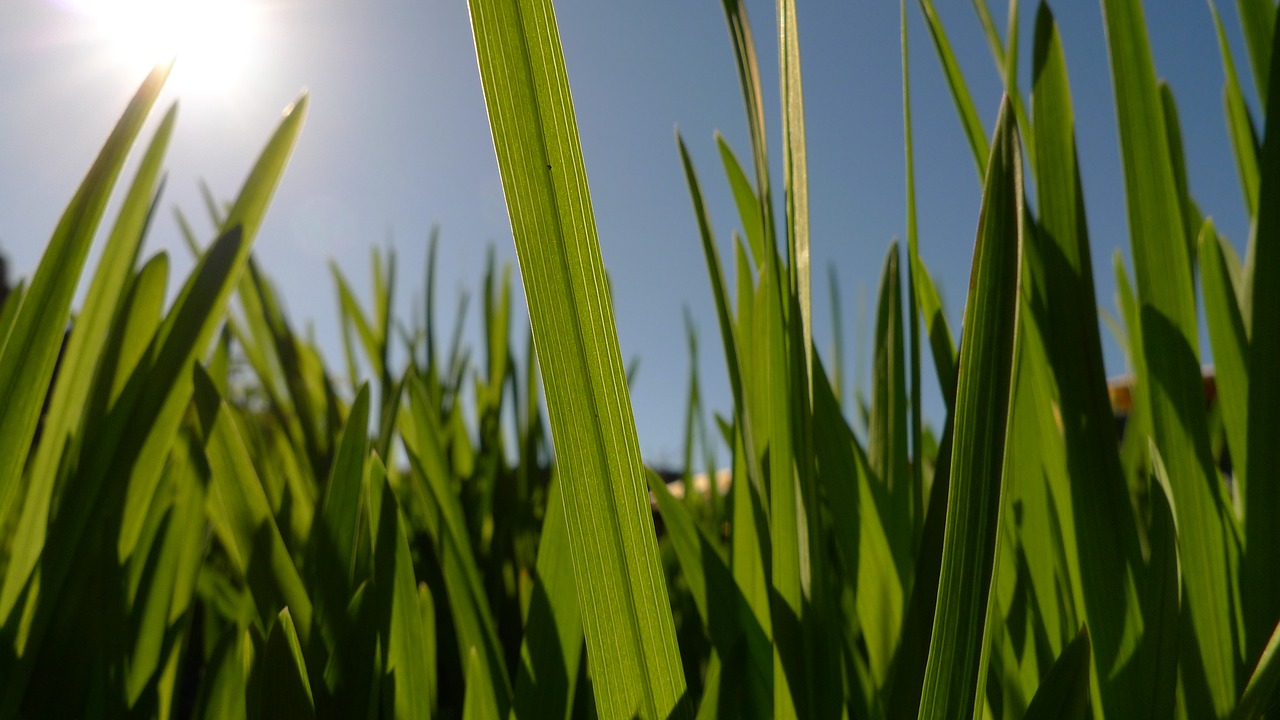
[{"x": 211, "y": 41}]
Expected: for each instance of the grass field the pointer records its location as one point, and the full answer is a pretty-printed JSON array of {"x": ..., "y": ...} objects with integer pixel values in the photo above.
[{"x": 202, "y": 516}]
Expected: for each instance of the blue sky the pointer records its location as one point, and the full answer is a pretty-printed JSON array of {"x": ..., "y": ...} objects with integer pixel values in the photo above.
[{"x": 397, "y": 141}]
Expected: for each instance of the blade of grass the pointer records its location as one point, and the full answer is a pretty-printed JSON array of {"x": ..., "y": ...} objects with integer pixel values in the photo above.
[
  {"x": 1244, "y": 138},
  {"x": 626, "y": 613},
  {"x": 1262, "y": 538},
  {"x": 1064, "y": 691},
  {"x": 1258, "y": 19},
  {"x": 1259, "y": 694},
  {"x": 552, "y": 648},
  {"x": 1101, "y": 536},
  {"x": 31, "y": 348},
  {"x": 1167, "y": 320},
  {"x": 969, "y": 120},
  {"x": 957, "y": 655}
]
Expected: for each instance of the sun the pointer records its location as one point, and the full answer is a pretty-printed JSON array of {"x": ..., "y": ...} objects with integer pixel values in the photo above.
[{"x": 211, "y": 41}]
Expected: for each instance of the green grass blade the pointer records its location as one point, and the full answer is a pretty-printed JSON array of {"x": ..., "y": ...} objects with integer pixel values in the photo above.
[
  {"x": 281, "y": 674},
  {"x": 745, "y": 198},
  {"x": 1101, "y": 535},
  {"x": 1259, "y": 694},
  {"x": 728, "y": 331},
  {"x": 796, "y": 177},
  {"x": 552, "y": 648},
  {"x": 627, "y": 617},
  {"x": 956, "y": 669},
  {"x": 88, "y": 336},
  {"x": 1244, "y": 139},
  {"x": 1230, "y": 345},
  {"x": 887, "y": 441},
  {"x": 31, "y": 347},
  {"x": 1064, "y": 691},
  {"x": 1191, "y": 217},
  {"x": 744, "y": 53},
  {"x": 405, "y": 636},
  {"x": 913, "y": 296},
  {"x": 241, "y": 516},
  {"x": 1167, "y": 321},
  {"x": 1258, "y": 19},
  {"x": 472, "y": 614},
  {"x": 1262, "y": 538},
  {"x": 969, "y": 120}
]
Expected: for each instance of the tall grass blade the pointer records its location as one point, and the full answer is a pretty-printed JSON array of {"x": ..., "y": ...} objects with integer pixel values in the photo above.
[
  {"x": 1099, "y": 531},
  {"x": 31, "y": 347},
  {"x": 1230, "y": 343},
  {"x": 1262, "y": 537},
  {"x": 627, "y": 618},
  {"x": 1167, "y": 321},
  {"x": 956, "y": 670}
]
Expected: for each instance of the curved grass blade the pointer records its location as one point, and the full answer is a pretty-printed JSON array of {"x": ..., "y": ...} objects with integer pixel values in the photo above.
[
  {"x": 745, "y": 198},
  {"x": 969, "y": 120},
  {"x": 626, "y": 613},
  {"x": 956, "y": 669},
  {"x": 31, "y": 347}
]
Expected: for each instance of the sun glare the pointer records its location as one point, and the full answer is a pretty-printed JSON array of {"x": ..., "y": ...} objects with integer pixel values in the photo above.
[{"x": 210, "y": 40}]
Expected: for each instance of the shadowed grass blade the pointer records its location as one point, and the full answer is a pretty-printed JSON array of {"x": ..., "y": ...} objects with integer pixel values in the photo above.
[
  {"x": 1167, "y": 322},
  {"x": 1262, "y": 535},
  {"x": 1064, "y": 691},
  {"x": 956, "y": 670}
]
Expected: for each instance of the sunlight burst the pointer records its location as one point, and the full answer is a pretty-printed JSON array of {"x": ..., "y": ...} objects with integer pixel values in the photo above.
[{"x": 211, "y": 40}]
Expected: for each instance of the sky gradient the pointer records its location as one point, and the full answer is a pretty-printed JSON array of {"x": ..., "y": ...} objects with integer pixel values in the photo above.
[{"x": 397, "y": 141}]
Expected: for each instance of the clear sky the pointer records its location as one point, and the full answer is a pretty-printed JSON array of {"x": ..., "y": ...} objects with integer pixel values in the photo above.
[{"x": 397, "y": 140}]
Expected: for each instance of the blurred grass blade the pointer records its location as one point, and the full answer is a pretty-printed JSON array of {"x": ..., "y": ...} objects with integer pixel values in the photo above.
[
  {"x": 1064, "y": 692},
  {"x": 472, "y": 615},
  {"x": 1167, "y": 320},
  {"x": 956, "y": 670},
  {"x": 552, "y": 648},
  {"x": 32, "y": 345},
  {"x": 744, "y": 53},
  {"x": 1262, "y": 538},
  {"x": 241, "y": 516},
  {"x": 281, "y": 674},
  {"x": 1244, "y": 138},
  {"x": 888, "y": 440},
  {"x": 1259, "y": 694},
  {"x": 1258, "y": 19},
  {"x": 627, "y": 617},
  {"x": 405, "y": 661}
]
